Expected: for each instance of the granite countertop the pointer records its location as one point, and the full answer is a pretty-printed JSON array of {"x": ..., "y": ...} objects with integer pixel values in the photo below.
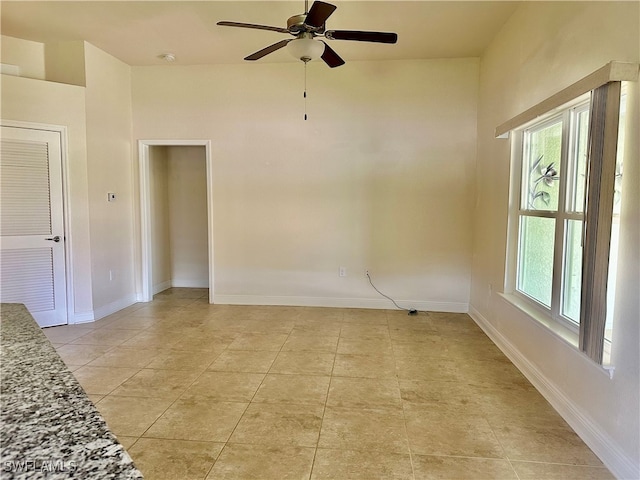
[{"x": 49, "y": 429}]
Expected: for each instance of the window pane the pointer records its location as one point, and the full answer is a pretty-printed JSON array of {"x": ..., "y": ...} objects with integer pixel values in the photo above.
[
  {"x": 541, "y": 168},
  {"x": 535, "y": 259},
  {"x": 578, "y": 163},
  {"x": 572, "y": 280}
]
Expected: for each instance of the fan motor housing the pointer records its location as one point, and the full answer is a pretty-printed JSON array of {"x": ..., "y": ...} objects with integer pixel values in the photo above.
[{"x": 296, "y": 25}]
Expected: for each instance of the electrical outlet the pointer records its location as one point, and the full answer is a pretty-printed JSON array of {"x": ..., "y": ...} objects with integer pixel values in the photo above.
[
  {"x": 342, "y": 272},
  {"x": 366, "y": 272}
]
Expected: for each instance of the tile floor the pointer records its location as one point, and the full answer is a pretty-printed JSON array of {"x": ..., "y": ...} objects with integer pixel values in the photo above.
[{"x": 199, "y": 391}]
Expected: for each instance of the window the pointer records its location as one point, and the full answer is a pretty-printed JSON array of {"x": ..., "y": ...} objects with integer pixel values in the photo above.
[
  {"x": 566, "y": 194},
  {"x": 551, "y": 212}
]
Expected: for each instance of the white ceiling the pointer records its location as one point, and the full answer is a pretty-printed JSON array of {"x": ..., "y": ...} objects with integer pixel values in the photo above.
[{"x": 138, "y": 32}]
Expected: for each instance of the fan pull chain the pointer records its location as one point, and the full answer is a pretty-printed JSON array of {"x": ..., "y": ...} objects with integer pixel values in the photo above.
[{"x": 305, "y": 90}]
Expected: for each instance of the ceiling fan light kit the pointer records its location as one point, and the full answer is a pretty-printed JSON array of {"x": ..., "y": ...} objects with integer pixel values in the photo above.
[
  {"x": 307, "y": 27},
  {"x": 305, "y": 48}
]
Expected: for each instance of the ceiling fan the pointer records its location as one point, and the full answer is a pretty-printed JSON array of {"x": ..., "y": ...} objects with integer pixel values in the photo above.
[{"x": 306, "y": 27}]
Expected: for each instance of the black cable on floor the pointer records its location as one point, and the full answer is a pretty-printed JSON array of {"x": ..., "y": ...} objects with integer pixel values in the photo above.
[{"x": 412, "y": 311}]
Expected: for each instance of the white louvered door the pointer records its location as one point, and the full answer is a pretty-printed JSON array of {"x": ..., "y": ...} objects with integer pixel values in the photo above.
[{"x": 32, "y": 263}]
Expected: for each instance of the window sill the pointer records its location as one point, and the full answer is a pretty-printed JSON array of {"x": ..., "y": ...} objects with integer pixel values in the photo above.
[{"x": 565, "y": 334}]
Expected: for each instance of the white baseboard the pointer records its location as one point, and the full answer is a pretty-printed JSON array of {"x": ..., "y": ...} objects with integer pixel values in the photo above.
[
  {"x": 598, "y": 440},
  {"x": 374, "y": 303},
  {"x": 84, "y": 317},
  {"x": 161, "y": 287},
  {"x": 114, "y": 307},
  {"x": 189, "y": 283}
]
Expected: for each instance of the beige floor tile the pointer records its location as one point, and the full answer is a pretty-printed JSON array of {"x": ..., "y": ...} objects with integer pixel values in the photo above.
[
  {"x": 376, "y": 331},
  {"x": 163, "y": 459},
  {"x": 95, "y": 398},
  {"x": 365, "y": 346},
  {"x": 319, "y": 314},
  {"x": 364, "y": 392},
  {"x": 182, "y": 292},
  {"x": 352, "y": 464},
  {"x": 548, "y": 471},
  {"x": 452, "y": 468},
  {"x": 275, "y": 313},
  {"x": 266, "y": 326},
  {"x": 365, "y": 366},
  {"x": 105, "y": 336},
  {"x": 156, "y": 310},
  {"x": 545, "y": 444},
  {"x": 131, "y": 416},
  {"x": 434, "y": 432},
  {"x": 303, "y": 363},
  {"x": 127, "y": 442},
  {"x": 198, "y": 419},
  {"x": 157, "y": 383},
  {"x": 424, "y": 349},
  {"x": 310, "y": 343},
  {"x": 327, "y": 328},
  {"x": 81, "y": 354},
  {"x": 437, "y": 394},
  {"x": 490, "y": 373},
  {"x": 364, "y": 429},
  {"x": 434, "y": 383},
  {"x": 226, "y": 386},
  {"x": 151, "y": 339},
  {"x": 279, "y": 425},
  {"x": 297, "y": 389},
  {"x": 366, "y": 316},
  {"x": 262, "y": 462},
  {"x": 428, "y": 370},
  {"x": 258, "y": 341},
  {"x": 259, "y": 361},
  {"x": 125, "y": 357},
  {"x": 196, "y": 361},
  {"x": 204, "y": 341},
  {"x": 102, "y": 380},
  {"x": 66, "y": 333},
  {"x": 129, "y": 322}
]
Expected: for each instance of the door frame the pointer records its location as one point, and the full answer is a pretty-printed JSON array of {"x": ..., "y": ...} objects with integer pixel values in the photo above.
[
  {"x": 64, "y": 157},
  {"x": 146, "y": 244}
]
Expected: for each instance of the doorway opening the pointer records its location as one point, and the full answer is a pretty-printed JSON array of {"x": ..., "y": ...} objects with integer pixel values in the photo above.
[{"x": 176, "y": 215}]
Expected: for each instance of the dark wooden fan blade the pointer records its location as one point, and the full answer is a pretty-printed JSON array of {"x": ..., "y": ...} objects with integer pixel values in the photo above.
[
  {"x": 330, "y": 57},
  {"x": 318, "y": 13},
  {"x": 378, "y": 37},
  {"x": 266, "y": 51},
  {"x": 251, "y": 25}
]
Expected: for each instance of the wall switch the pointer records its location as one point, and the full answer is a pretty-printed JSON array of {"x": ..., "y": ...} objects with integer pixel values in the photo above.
[
  {"x": 342, "y": 271},
  {"x": 111, "y": 197},
  {"x": 111, "y": 275}
]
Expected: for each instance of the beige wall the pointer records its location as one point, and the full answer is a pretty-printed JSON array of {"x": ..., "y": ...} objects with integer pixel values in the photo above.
[
  {"x": 379, "y": 177},
  {"x": 543, "y": 48},
  {"x": 160, "y": 220},
  {"x": 27, "y": 55},
  {"x": 29, "y": 100},
  {"x": 188, "y": 213},
  {"x": 110, "y": 169},
  {"x": 65, "y": 62}
]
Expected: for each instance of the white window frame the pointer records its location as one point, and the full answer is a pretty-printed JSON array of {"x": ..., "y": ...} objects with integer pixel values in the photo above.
[{"x": 567, "y": 114}]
